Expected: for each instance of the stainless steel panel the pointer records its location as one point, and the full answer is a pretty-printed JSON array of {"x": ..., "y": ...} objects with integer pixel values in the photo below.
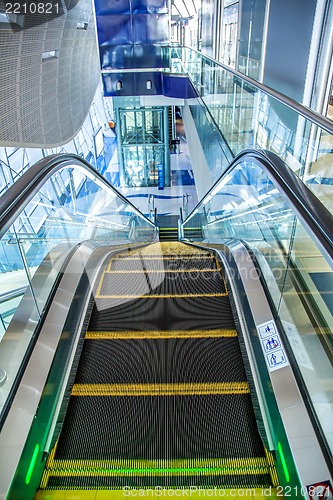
[
  {"x": 308, "y": 457},
  {"x": 304, "y": 445},
  {"x": 12, "y": 454}
]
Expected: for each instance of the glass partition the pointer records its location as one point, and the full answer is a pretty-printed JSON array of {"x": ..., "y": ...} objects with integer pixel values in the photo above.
[
  {"x": 247, "y": 206},
  {"x": 73, "y": 206},
  {"x": 248, "y": 117}
]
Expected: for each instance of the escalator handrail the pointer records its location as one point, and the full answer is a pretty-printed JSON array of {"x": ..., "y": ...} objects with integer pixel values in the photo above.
[
  {"x": 317, "y": 218},
  {"x": 308, "y": 113},
  {"x": 15, "y": 199}
]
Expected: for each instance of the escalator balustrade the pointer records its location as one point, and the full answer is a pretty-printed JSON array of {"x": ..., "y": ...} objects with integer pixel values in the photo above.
[{"x": 160, "y": 397}]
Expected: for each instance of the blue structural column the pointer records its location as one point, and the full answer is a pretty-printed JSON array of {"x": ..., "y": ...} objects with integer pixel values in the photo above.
[{"x": 132, "y": 34}]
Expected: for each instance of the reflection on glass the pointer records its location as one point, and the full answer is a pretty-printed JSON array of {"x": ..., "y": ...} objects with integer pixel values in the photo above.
[
  {"x": 73, "y": 206},
  {"x": 245, "y": 205},
  {"x": 247, "y": 117}
]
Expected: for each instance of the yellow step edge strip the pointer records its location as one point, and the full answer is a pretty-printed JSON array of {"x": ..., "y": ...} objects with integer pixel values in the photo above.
[
  {"x": 195, "y": 463},
  {"x": 160, "y": 296},
  {"x": 272, "y": 469},
  {"x": 195, "y": 493},
  {"x": 49, "y": 464},
  {"x": 160, "y": 334},
  {"x": 104, "y": 468},
  {"x": 68, "y": 472},
  {"x": 162, "y": 467},
  {"x": 163, "y": 389}
]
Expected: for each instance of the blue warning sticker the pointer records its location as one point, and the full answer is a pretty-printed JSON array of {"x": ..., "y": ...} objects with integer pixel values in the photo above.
[{"x": 272, "y": 346}]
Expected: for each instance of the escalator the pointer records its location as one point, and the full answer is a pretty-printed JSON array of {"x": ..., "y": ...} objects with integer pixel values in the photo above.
[
  {"x": 168, "y": 227},
  {"x": 143, "y": 365},
  {"x": 160, "y": 397}
]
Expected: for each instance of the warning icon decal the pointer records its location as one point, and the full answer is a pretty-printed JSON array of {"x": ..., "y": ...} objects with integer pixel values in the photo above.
[{"x": 272, "y": 346}]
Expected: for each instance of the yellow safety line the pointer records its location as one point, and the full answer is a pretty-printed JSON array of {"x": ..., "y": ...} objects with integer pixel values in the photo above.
[
  {"x": 100, "y": 283},
  {"x": 272, "y": 469},
  {"x": 178, "y": 463},
  {"x": 163, "y": 389},
  {"x": 49, "y": 464},
  {"x": 68, "y": 472},
  {"x": 160, "y": 334},
  {"x": 164, "y": 296},
  {"x": 108, "y": 267},
  {"x": 50, "y": 460},
  {"x": 109, "y": 468},
  {"x": 108, "y": 270},
  {"x": 208, "y": 472}
]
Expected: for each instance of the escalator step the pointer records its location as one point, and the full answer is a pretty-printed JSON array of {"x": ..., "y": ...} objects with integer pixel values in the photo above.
[
  {"x": 167, "y": 334},
  {"x": 160, "y": 361},
  {"x": 191, "y": 313},
  {"x": 131, "y": 427},
  {"x": 160, "y": 396},
  {"x": 242, "y": 481},
  {"x": 103, "y": 474},
  {"x": 190, "y": 283}
]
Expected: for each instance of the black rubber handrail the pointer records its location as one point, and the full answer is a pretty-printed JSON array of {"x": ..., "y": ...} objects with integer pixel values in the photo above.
[
  {"x": 316, "y": 217},
  {"x": 16, "y": 198}
]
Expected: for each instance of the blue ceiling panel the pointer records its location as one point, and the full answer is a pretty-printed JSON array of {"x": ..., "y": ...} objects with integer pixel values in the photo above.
[
  {"x": 150, "y": 28},
  {"x": 150, "y": 6},
  {"x": 110, "y": 84},
  {"x": 176, "y": 86},
  {"x": 148, "y": 56},
  {"x": 141, "y": 83},
  {"x": 116, "y": 56},
  {"x": 132, "y": 84},
  {"x": 115, "y": 29},
  {"x": 134, "y": 56},
  {"x": 133, "y": 35},
  {"x": 108, "y": 7}
]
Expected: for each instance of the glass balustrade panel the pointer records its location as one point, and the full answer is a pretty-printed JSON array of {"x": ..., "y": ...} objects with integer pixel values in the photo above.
[
  {"x": 245, "y": 205},
  {"x": 247, "y": 117},
  {"x": 73, "y": 206}
]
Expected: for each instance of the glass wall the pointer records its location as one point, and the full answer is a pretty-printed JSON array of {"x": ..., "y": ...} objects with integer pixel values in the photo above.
[
  {"x": 143, "y": 142},
  {"x": 247, "y": 117},
  {"x": 228, "y": 43},
  {"x": 73, "y": 206},
  {"x": 14, "y": 162}
]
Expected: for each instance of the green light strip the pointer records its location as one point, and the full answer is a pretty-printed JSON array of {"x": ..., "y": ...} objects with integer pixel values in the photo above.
[
  {"x": 283, "y": 462},
  {"x": 168, "y": 471},
  {"x": 32, "y": 464}
]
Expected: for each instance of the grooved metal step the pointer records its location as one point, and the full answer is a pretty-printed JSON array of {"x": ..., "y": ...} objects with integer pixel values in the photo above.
[{"x": 160, "y": 397}]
